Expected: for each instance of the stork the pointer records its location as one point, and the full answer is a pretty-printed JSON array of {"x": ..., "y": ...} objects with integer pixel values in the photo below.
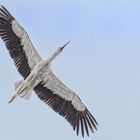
[{"x": 38, "y": 76}]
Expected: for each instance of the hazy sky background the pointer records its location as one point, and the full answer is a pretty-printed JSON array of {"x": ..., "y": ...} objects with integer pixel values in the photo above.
[{"x": 101, "y": 64}]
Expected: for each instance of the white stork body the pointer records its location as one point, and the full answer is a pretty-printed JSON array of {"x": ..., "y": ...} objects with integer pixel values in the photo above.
[{"x": 39, "y": 77}]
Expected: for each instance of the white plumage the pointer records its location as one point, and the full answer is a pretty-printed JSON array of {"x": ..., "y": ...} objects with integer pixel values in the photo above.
[
  {"x": 30, "y": 52},
  {"x": 39, "y": 77}
]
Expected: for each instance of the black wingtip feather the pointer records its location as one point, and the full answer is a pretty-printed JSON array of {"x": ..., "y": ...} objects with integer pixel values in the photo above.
[
  {"x": 91, "y": 120},
  {"x": 82, "y": 125},
  {"x": 89, "y": 123},
  {"x": 6, "y": 13},
  {"x": 78, "y": 119},
  {"x": 13, "y": 42},
  {"x": 85, "y": 123}
]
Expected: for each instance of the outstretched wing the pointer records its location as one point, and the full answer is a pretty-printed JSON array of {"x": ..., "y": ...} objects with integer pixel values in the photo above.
[
  {"x": 53, "y": 92},
  {"x": 18, "y": 43},
  {"x": 65, "y": 102}
]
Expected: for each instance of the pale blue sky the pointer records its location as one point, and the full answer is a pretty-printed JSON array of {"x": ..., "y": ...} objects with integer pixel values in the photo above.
[{"x": 101, "y": 64}]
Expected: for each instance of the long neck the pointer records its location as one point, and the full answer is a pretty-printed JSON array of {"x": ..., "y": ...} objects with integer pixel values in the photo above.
[
  {"x": 52, "y": 57},
  {"x": 55, "y": 54}
]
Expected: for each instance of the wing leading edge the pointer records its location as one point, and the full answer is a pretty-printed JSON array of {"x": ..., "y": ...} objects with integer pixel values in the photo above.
[
  {"x": 18, "y": 43},
  {"x": 67, "y": 103}
]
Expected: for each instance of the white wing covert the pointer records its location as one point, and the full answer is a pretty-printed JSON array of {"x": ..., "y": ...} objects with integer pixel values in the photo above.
[
  {"x": 51, "y": 90},
  {"x": 18, "y": 43},
  {"x": 65, "y": 102}
]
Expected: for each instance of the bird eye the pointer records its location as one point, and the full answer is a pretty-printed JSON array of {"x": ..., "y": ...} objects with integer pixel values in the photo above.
[{"x": 59, "y": 48}]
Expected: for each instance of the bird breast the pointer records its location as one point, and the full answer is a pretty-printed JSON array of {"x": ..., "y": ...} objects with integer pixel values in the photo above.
[{"x": 38, "y": 74}]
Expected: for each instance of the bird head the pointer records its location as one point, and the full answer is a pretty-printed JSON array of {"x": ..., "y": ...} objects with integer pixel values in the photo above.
[{"x": 61, "y": 48}]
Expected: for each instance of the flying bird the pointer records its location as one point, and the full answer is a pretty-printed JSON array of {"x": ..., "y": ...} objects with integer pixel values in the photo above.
[{"x": 38, "y": 76}]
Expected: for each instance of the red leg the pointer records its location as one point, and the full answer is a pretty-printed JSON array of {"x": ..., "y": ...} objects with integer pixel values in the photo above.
[{"x": 12, "y": 99}]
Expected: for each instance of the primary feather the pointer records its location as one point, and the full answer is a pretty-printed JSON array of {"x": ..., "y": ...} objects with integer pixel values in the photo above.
[{"x": 47, "y": 87}]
